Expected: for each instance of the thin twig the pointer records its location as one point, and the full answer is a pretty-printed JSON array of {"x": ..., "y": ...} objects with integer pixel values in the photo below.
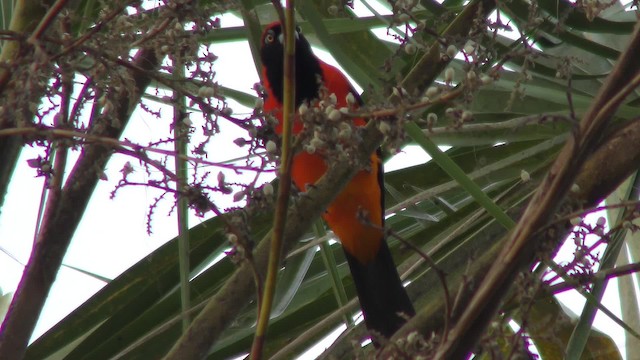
[
  {"x": 442, "y": 276},
  {"x": 46, "y": 132},
  {"x": 180, "y": 134},
  {"x": 282, "y": 202},
  {"x": 580, "y": 213},
  {"x": 607, "y": 274},
  {"x": 572, "y": 110}
]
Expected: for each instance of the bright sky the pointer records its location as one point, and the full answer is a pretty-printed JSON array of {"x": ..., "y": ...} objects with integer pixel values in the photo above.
[{"x": 109, "y": 251}]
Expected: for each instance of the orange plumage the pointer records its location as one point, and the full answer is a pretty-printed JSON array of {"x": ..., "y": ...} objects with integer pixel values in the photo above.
[{"x": 382, "y": 297}]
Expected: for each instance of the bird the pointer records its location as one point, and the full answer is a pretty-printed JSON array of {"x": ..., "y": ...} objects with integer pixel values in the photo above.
[{"x": 383, "y": 299}]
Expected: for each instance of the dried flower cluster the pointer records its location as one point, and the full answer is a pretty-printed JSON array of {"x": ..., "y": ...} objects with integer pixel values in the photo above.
[{"x": 80, "y": 79}]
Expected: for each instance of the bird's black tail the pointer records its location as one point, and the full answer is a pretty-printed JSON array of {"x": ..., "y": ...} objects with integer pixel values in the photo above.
[{"x": 383, "y": 299}]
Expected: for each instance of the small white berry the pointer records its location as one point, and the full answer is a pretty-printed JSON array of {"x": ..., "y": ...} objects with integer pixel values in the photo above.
[
  {"x": 267, "y": 189},
  {"x": 333, "y": 98},
  {"x": 452, "y": 50},
  {"x": 486, "y": 79},
  {"x": 576, "y": 221},
  {"x": 448, "y": 75},
  {"x": 259, "y": 104},
  {"x": 450, "y": 112},
  {"x": 271, "y": 147},
  {"x": 335, "y": 115},
  {"x": 469, "y": 47},
  {"x": 403, "y": 18},
  {"x": 345, "y": 134},
  {"x": 432, "y": 91},
  {"x": 471, "y": 76},
  {"x": 525, "y": 176},
  {"x": 232, "y": 238},
  {"x": 206, "y": 91},
  {"x": 316, "y": 142},
  {"x": 601, "y": 221},
  {"x": 303, "y": 108},
  {"x": 413, "y": 337},
  {"x": 410, "y": 49},
  {"x": 350, "y": 99},
  {"x": 384, "y": 127},
  {"x": 329, "y": 109}
]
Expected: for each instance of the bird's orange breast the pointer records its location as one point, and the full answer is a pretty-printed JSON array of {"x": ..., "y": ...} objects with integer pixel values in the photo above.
[{"x": 355, "y": 216}]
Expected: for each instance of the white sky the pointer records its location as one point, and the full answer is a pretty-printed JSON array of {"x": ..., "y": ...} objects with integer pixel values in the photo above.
[{"x": 108, "y": 252}]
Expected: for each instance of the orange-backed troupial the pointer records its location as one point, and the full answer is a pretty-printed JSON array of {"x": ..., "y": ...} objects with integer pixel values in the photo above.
[{"x": 383, "y": 299}]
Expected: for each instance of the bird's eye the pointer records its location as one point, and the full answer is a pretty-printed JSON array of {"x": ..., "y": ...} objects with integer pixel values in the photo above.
[
  {"x": 298, "y": 29},
  {"x": 269, "y": 37}
]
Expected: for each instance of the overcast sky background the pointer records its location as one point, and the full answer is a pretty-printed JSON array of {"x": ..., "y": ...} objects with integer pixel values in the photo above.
[{"x": 112, "y": 235}]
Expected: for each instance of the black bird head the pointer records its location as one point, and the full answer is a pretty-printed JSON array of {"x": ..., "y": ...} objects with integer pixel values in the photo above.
[{"x": 308, "y": 71}]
